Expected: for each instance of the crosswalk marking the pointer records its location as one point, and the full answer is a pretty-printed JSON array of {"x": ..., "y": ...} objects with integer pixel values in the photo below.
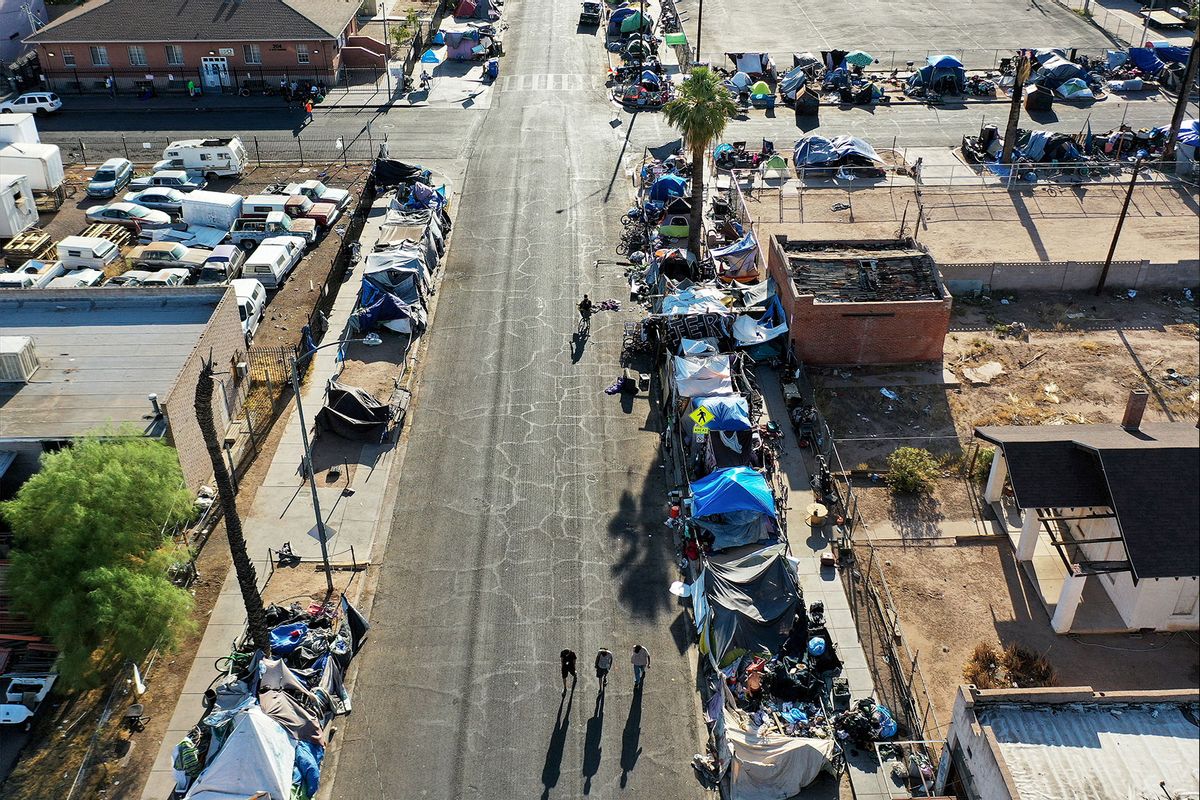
[{"x": 551, "y": 82}]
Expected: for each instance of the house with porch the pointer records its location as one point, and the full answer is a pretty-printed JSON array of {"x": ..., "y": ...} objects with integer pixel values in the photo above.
[
  {"x": 218, "y": 45},
  {"x": 1105, "y": 519}
]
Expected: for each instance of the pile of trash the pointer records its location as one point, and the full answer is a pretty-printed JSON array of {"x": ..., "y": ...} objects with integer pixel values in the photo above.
[{"x": 267, "y": 716}]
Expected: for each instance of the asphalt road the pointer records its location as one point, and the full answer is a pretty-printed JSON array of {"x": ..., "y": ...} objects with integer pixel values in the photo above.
[{"x": 530, "y": 509}]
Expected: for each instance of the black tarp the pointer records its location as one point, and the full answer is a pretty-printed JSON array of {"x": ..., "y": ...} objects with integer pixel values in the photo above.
[
  {"x": 753, "y": 597},
  {"x": 390, "y": 172},
  {"x": 352, "y": 413}
]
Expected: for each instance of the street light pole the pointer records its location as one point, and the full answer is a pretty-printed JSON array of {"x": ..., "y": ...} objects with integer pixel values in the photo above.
[{"x": 308, "y": 467}]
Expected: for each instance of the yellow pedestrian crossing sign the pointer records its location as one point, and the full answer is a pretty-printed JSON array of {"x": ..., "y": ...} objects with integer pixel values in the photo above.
[{"x": 701, "y": 416}]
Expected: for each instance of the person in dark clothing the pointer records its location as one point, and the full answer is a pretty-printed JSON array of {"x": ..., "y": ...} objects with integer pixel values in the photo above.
[{"x": 567, "y": 659}]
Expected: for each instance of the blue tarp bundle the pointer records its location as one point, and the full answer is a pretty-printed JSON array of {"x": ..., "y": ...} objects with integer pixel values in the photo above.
[
  {"x": 733, "y": 489},
  {"x": 287, "y": 638},
  {"x": 730, "y": 413},
  {"x": 619, "y": 16},
  {"x": 1145, "y": 60},
  {"x": 668, "y": 186},
  {"x": 1189, "y": 133},
  {"x": 1172, "y": 54},
  {"x": 817, "y": 150}
]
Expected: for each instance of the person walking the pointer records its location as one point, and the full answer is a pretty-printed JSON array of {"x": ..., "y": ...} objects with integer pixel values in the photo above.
[
  {"x": 308, "y": 117},
  {"x": 641, "y": 662},
  {"x": 604, "y": 662},
  {"x": 567, "y": 660}
]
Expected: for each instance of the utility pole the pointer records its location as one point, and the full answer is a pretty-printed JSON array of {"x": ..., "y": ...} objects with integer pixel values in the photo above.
[
  {"x": 1020, "y": 75},
  {"x": 1185, "y": 90},
  {"x": 387, "y": 53},
  {"x": 312, "y": 479},
  {"x": 1112, "y": 248}
]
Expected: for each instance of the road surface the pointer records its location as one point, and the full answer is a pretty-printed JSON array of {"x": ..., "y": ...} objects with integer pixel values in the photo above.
[{"x": 530, "y": 507}]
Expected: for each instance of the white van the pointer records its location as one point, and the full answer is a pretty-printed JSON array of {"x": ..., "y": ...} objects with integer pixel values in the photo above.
[
  {"x": 208, "y": 157},
  {"x": 76, "y": 252},
  {"x": 260, "y": 205},
  {"x": 251, "y": 300},
  {"x": 274, "y": 259},
  {"x": 77, "y": 279}
]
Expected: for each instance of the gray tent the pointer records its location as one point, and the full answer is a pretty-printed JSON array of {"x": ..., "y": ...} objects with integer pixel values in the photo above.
[{"x": 746, "y": 599}]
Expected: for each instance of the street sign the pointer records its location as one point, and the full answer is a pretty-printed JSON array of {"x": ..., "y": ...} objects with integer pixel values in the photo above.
[
  {"x": 316, "y": 533},
  {"x": 701, "y": 416}
]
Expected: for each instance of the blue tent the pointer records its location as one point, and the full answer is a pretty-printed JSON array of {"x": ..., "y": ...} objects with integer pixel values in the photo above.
[
  {"x": 650, "y": 78},
  {"x": 1144, "y": 59},
  {"x": 1189, "y": 133},
  {"x": 730, "y": 413},
  {"x": 1172, "y": 54},
  {"x": 733, "y": 489},
  {"x": 813, "y": 150},
  {"x": 944, "y": 74},
  {"x": 619, "y": 16},
  {"x": 430, "y": 57},
  {"x": 668, "y": 186}
]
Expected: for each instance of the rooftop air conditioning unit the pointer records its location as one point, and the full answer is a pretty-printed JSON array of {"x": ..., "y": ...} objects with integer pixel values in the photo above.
[{"x": 18, "y": 359}]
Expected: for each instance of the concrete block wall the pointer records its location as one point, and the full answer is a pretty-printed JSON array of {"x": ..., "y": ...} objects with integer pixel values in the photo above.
[
  {"x": 223, "y": 341},
  {"x": 1070, "y": 276}
]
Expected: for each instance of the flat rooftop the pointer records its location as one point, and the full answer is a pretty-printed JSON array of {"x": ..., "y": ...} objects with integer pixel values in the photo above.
[
  {"x": 101, "y": 352},
  {"x": 861, "y": 271},
  {"x": 1097, "y": 751}
]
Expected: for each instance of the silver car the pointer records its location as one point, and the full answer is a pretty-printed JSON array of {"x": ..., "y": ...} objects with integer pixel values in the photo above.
[
  {"x": 160, "y": 199},
  {"x": 130, "y": 215}
]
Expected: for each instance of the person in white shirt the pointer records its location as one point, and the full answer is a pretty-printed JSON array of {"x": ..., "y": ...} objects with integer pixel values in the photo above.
[
  {"x": 640, "y": 661},
  {"x": 604, "y": 662}
]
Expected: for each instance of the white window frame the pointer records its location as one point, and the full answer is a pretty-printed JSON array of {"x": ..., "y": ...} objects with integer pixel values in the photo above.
[
  {"x": 302, "y": 54},
  {"x": 99, "y": 54},
  {"x": 172, "y": 50},
  {"x": 68, "y": 57},
  {"x": 252, "y": 53},
  {"x": 137, "y": 49}
]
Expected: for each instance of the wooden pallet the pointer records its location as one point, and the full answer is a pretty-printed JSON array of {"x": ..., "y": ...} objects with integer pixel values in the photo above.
[
  {"x": 26, "y": 245},
  {"x": 117, "y": 234}
]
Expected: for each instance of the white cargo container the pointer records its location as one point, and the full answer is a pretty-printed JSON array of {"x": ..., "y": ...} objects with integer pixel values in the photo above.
[
  {"x": 18, "y": 209},
  {"x": 18, "y": 128},
  {"x": 41, "y": 163},
  {"x": 214, "y": 209},
  {"x": 90, "y": 252}
]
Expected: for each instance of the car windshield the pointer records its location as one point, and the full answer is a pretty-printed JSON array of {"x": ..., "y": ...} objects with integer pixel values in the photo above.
[
  {"x": 105, "y": 175},
  {"x": 137, "y": 211},
  {"x": 178, "y": 251}
]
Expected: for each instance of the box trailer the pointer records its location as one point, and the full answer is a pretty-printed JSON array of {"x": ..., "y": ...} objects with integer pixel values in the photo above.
[
  {"x": 214, "y": 209},
  {"x": 41, "y": 163},
  {"x": 208, "y": 157},
  {"x": 18, "y": 208},
  {"x": 18, "y": 128}
]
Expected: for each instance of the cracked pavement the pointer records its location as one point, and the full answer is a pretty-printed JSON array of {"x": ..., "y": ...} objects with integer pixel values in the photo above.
[{"x": 530, "y": 509}]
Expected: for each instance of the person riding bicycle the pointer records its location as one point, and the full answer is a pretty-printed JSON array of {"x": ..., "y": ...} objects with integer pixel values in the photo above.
[{"x": 585, "y": 307}]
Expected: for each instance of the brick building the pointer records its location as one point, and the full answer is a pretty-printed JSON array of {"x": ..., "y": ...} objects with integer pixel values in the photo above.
[
  {"x": 860, "y": 302},
  {"x": 98, "y": 355},
  {"x": 220, "y": 45}
]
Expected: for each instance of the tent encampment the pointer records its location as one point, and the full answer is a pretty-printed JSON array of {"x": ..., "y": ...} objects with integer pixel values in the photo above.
[
  {"x": 942, "y": 74},
  {"x": 741, "y": 489},
  {"x": 353, "y": 413},
  {"x": 257, "y": 756},
  {"x": 668, "y": 186},
  {"x": 738, "y": 261},
  {"x": 634, "y": 23},
  {"x": 751, "y": 63},
  {"x": 730, "y": 412},
  {"x": 702, "y": 376},
  {"x": 775, "y": 167},
  {"x": 1056, "y": 71},
  {"x": 695, "y": 300},
  {"x": 770, "y": 766}
]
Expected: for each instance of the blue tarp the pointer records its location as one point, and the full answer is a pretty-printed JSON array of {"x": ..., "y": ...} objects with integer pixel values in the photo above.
[
  {"x": 307, "y": 769},
  {"x": 817, "y": 150},
  {"x": 287, "y": 638},
  {"x": 650, "y": 78},
  {"x": 1189, "y": 133},
  {"x": 619, "y": 16},
  {"x": 1145, "y": 60},
  {"x": 668, "y": 186},
  {"x": 733, "y": 489},
  {"x": 730, "y": 413},
  {"x": 943, "y": 61},
  {"x": 1172, "y": 54}
]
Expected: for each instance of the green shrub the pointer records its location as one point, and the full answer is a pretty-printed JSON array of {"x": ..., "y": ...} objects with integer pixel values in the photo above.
[
  {"x": 911, "y": 470},
  {"x": 983, "y": 463}
]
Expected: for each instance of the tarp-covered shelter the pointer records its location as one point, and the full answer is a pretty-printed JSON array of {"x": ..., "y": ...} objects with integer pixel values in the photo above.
[
  {"x": 634, "y": 23},
  {"x": 738, "y": 261},
  {"x": 819, "y": 152},
  {"x": 353, "y": 413},
  {"x": 1145, "y": 59},
  {"x": 750, "y": 332},
  {"x": 729, "y": 490},
  {"x": 943, "y": 74},
  {"x": 1056, "y": 71},
  {"x": 257, "y": 756},
  {"x": 460, "y": 45},
  {"x": 695, "y": 300},
  {"x": 746, "y": 601},
  {"x": 730, "y": 412},
  {"x": 666, "y": 187},
  {"x": 702, "y": 376},
  {"x": 794, "y": 81},
  {"x": 619, "y": 16},
  {"x": 770, "y": 766},
  {"x": 677, "y": 217},
  {"x": 753, "y": 64}
]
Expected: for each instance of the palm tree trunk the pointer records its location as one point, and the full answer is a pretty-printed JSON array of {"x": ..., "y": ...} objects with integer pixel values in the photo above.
[
  {"x": 696, "y": 224},
  {"x": 247, "y": 580}
]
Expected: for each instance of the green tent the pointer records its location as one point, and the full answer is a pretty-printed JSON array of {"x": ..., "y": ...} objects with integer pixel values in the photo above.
[
  {"x": 676, "y": 39},
  {"x": 633, "y": 22},
  {"x": 760, "y": 88}
]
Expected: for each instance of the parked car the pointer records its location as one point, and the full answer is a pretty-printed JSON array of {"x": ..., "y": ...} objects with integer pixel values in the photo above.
[
  {"x": 129, "y": 215},
  {"x": 590, "y": 14},
  {"x": 251, "y": 300},
  {"x": 77, "y": 279},
  {"x": 275, "y": 257},
  {"x": 172, "y": 276},
  {"x": 170, "y": 179},
  {"x": 318, "y": 192},
  {"x": 111, "y": 177},
  {"x": 129, "y": 278},
  {"x": 33, "y": 103},
  {"x": 22, "y": 694},
  {"x": 301, "y": 207},
  {"x": 159, "y": 199},
  {"x": 247, "y": 232},
  {"x": 167, "y": 254},
  {"x": 222, "y": 266}
]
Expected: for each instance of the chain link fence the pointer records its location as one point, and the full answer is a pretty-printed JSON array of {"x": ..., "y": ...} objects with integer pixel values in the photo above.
[{"x": 300, "y": 149}]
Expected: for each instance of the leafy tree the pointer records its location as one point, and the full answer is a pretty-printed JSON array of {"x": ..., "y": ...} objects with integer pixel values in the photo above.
[
  {"x": 700, "y": 112},
  {"x": 91, "y": 551}
]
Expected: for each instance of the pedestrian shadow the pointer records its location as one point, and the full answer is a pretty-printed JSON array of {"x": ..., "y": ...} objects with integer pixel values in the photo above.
[
  {"x": 631, "y": 747},
  {"x": 591, "y": 743},
  {"x": 578, "y": 343},
  {"x": 552, "y": 769}
]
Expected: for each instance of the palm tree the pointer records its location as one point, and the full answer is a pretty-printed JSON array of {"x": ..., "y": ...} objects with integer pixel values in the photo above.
[
  {"x": 256, "y": 618},
  {"x": 700, "y": 112}
]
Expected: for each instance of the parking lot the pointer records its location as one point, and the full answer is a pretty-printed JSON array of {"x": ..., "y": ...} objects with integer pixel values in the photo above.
[
  {"x": 289, "y": 308},
  {"x": 892, "y": 32}
]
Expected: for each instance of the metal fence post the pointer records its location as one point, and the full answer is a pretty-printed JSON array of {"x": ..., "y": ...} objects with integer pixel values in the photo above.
[
  {"x": 257, "y": 154},
  {"x": 300, "y": 146},
  {"x": 124, "y": 146},
  {"x": 83, "y": 152}
]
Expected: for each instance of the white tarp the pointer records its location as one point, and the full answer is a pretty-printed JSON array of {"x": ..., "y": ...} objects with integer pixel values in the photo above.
[
  {"x": 258, "y": 756},
  {"x": 701, "y": 376},
  {"x": 748, "y": 331},
  {"x": 695, "y": 300},
  {"x": 772, "y": 766}
]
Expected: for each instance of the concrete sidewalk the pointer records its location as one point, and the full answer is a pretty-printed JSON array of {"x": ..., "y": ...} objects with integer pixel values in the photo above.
[
  {"x": 823, "y": 584},
  {"x": 282, "y": 512}
]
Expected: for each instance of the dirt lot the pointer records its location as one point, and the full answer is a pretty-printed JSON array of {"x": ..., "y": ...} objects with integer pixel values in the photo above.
[{"x": 951, "y": 598}]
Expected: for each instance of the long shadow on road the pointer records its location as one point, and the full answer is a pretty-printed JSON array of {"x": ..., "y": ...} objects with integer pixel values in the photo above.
[
  {"x": 591, "y": 744},
  {"x": 631, "y": 737},
  {"x": 558, "y": 739}
]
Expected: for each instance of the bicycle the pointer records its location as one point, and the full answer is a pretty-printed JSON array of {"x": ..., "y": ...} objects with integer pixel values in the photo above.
[{"x": 585, "y": 325}]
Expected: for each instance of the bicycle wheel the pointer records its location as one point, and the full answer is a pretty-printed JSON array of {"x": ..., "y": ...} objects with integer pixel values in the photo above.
[{"x": 623, "y": 249}]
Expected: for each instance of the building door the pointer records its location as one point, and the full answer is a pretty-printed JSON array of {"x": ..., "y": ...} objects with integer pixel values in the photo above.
[
  {"x": 1185, "y": 604},
  {"x": 215, "y": 72}
]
